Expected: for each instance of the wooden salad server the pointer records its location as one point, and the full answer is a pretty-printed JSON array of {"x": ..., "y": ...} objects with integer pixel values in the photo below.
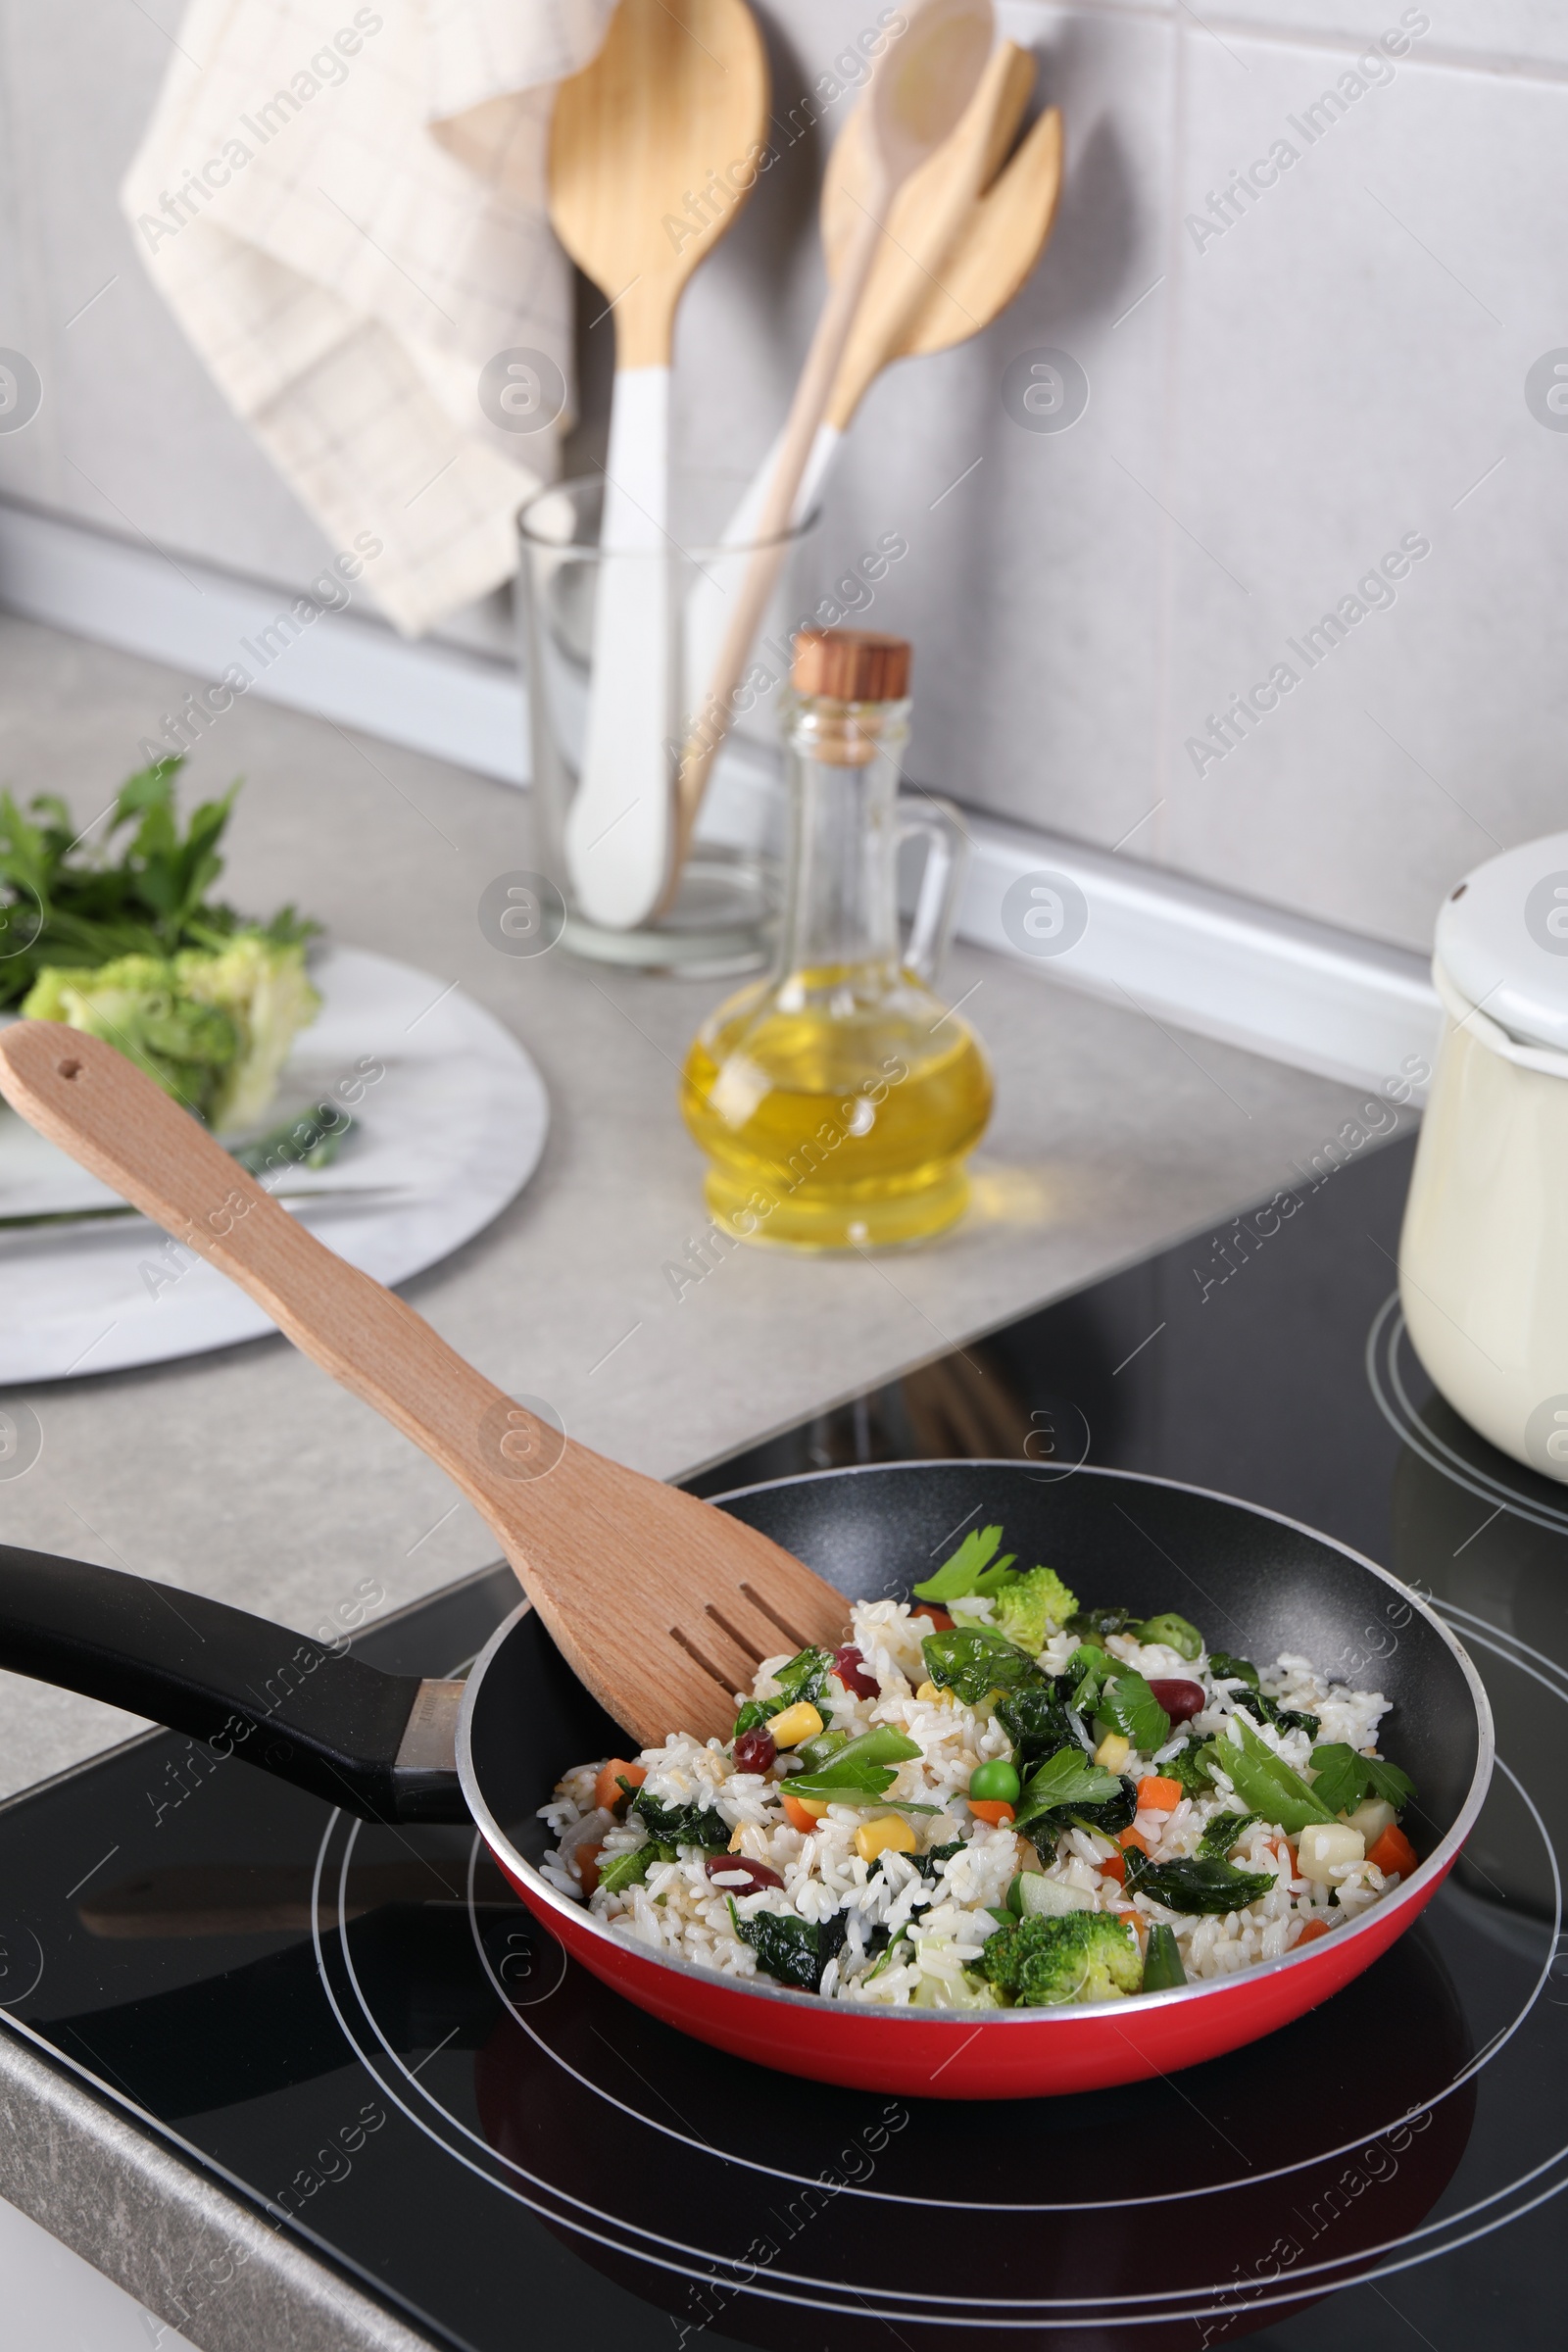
[
  {"x": 930, "y": 302},
  {"x": 920, "y": 86},
  {"x": 654, "y": 148},
  {"x": 662, "y": 1604}
]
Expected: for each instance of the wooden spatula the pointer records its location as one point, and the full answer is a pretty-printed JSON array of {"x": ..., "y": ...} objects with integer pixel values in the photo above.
[
  {"x": 653, "y": 150},
  {"x": 662, "y": 1604},
  {"x": 918, "y": 300}
]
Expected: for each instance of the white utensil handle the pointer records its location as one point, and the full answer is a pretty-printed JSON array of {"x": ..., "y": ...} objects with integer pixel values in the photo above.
[
  {"x": 717, "y": 583},
  {"x": 619, "y": 828}
]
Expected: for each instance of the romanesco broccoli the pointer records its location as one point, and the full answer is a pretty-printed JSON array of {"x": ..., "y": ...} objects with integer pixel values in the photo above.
[{"x": 1030, "y": 1608}]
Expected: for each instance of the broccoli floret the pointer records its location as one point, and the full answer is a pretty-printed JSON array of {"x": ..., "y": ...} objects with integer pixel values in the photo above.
[
  {"x": 213, "y": 1027},
  {"x": 137, "y": 1004},
  {"x": 1044, "y": 1961},
  {"x": 262, "y": 987},
  {"x": 1030, "y": 1608}
]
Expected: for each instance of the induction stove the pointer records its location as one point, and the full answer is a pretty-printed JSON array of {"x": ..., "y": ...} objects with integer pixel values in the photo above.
[{"x": 364, "y": 2036}]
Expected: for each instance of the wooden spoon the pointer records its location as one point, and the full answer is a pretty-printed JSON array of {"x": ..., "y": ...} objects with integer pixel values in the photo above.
[
  {"x": 919, "y": 89},
  {"x": 660, "y": 1605},
  {"x": 918, "y": 300},
  {"x": 654, "y": 148}
]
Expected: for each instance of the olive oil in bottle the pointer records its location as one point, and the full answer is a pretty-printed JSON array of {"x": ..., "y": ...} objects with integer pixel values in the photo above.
[{"x": 837, "y": 1100}]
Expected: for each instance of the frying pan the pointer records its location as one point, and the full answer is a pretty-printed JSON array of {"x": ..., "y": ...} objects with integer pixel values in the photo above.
[{"x": 391, "y": 1748}]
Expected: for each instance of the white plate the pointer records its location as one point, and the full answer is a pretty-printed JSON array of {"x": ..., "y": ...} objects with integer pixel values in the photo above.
[{"x": 453, "y": 1131}]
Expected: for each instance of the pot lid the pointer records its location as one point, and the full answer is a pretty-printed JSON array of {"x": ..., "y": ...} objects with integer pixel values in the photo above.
[{"x": 1502, "y": 940}]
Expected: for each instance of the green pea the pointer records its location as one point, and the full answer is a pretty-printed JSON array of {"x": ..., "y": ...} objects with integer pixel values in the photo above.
[
  {"x": 996, "y": 1781},
  {"x": 1176, "y": 1633}
]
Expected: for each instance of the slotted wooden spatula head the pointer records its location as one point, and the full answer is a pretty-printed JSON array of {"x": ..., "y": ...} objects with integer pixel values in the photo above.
[
  {"x": 963, "y": 234},
  {"x": 662, "y": 1605}
]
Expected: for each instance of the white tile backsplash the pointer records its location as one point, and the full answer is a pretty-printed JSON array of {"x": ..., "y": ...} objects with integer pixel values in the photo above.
[
  {"x": 1338, "y": 367},
  {"x": 1502, "y": 32},
  {"x": 1353, "y": 355}
]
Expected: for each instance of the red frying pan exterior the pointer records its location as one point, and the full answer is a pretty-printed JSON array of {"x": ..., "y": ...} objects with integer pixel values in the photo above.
[{"x": 1015, "y": 2054}]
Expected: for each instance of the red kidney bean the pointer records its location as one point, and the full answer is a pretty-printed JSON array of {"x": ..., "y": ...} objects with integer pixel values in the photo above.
[
  {"x": 852, "y": 1671},
  {"x": 741, "y": 1876},
  {"x": 1180, "y": 1699},
  {"x": 755, "y": 1751}
]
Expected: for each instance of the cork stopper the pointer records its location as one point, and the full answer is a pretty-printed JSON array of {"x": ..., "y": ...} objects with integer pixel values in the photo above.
[{"x": 851, "y": 666}]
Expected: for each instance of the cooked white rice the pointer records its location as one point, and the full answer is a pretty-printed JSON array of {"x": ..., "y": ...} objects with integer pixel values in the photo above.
[{"x": 681, "y": 1910}]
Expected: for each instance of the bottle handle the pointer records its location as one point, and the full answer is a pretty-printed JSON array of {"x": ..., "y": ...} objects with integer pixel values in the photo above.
[{"x": 942, "y": 875}]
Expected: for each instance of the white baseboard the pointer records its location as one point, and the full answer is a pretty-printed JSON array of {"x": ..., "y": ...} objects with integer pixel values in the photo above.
[
  {"x": 1225, "y": 966},
  {"x": 1229, "y": 967},
  {"x": 198, "y": 619}
]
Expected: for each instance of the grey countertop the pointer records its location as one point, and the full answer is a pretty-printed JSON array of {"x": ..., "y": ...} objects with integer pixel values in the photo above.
[{"x": 248, "y": 1475}]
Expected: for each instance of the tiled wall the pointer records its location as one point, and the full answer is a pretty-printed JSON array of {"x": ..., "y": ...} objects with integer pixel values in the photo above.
[{"x": 1337, "y": 374}]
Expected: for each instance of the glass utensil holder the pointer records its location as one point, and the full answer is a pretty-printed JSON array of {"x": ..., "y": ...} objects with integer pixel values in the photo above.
[{"x": 723, "y": 919}]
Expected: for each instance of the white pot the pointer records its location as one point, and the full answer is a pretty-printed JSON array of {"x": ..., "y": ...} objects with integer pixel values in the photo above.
[{"x": 1484, "y": 1255}]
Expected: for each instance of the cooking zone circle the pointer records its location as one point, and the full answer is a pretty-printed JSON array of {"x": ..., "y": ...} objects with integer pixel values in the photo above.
[{"x": 718, "y": 2162}]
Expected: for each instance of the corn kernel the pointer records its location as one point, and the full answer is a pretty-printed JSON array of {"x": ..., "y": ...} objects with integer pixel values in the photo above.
[
  {"x": 797, "y": 1723},
  {"x": 929, "y": 1693},
  {"x": 736, "y": 1839},
  {"x": 1113, "y": 1751},
  {"x": 887, "y": 1834}
]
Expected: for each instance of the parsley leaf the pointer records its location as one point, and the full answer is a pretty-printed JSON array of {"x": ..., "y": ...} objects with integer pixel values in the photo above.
[
  {"x": 1346, "y": 1777},
  {"x": 1068, "y": 1778}
]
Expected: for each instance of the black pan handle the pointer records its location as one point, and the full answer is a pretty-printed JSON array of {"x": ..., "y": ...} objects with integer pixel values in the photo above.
[{"x": 380, "y": 1746}]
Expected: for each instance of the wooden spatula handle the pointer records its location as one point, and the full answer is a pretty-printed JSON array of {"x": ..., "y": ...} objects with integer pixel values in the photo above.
[{"x": 114, "y": 1120}]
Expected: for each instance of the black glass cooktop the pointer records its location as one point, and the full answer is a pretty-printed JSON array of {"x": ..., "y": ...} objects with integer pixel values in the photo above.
[{"x": 364, "y": 2036}]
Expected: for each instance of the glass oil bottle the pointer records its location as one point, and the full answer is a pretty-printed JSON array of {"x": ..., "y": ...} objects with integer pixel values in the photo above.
[{"x": 837, "y": 1099}]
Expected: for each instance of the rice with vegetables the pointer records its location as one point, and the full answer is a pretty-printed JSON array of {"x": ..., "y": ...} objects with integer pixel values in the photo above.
[{"x": 993, "y": 1797}]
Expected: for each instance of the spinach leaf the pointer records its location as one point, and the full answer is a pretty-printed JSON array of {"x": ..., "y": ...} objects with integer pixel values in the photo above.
[
  {"x": 796, "y": 1951},
  {"x": 1344, "y": 1778},
  {"x": 929, "y": 1865},
  {"x": 1081, "y": 1678},
  {"x": 1068, "y": 1778},
  {"x": 1096, "y": 1623},
  {"x": 955, "y": 1579},
  {"x": 1223, "y": 1831},
  {"x": 803, "y": 1677},
  {"x": 1035, "y": 1719},
  {"x": 630, "y": 1869},
  {"x": 1228, "y": 1669},
  {"x": 1268, "y": 1786},
  {"x": 1110, "y": 1818},
  {"x": 674, "y": 1825},
  {"x": 1284, "y": 1718},
  {"x": 1202, "y": 1883},
  {"x": 969, "y": 1660},
  {"x": 1190, "y": 1766},
  {"x": 1127, "y": 1701}
]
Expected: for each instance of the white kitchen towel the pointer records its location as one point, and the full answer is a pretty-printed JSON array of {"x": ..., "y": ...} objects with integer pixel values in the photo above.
[{"x": 345, "y": 207}]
